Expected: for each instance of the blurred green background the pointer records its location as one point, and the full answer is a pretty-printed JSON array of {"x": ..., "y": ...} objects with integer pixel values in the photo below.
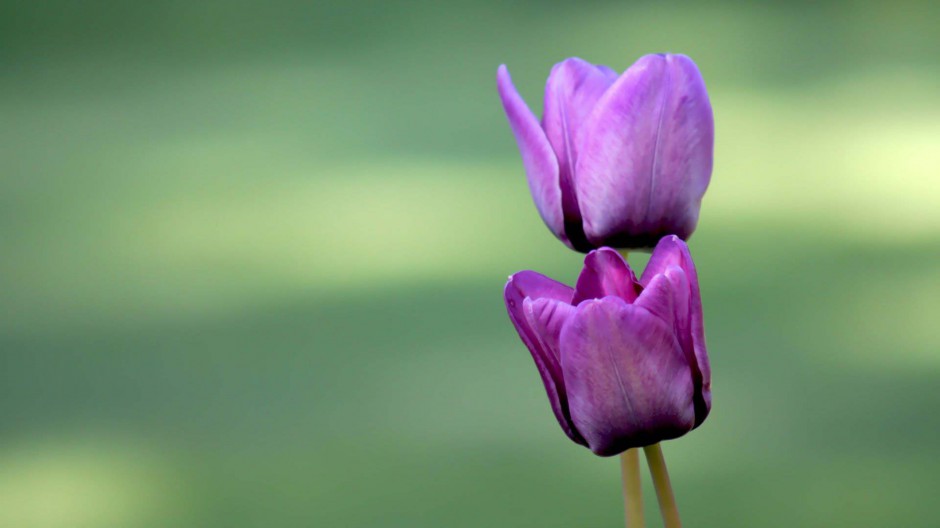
[{"x": 252, "y": 253}]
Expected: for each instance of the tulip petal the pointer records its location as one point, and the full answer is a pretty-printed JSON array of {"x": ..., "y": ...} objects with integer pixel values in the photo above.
[
  {"x": 683, "y": 165},
  {"x": 669, "y": 257},
  {"x": 529, "y": 300},
  {"x": 538, "y": 158},
  {"x": 536, "y": 286},
  {"x": 645, "y": 156},
  {"x": 546, "y": 317},
  {"x": 606, "y": 273},
  {"x": 659, "y": 299},
  {"x": 573, "y": 88},
  {"x": 627, "y": 379}
]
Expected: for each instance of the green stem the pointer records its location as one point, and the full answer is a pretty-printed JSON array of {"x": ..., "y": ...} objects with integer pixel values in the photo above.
[
  {"x": 632, "y": 488},
  {"x": 632, "y": 485},
  {"x": 667, "y": 501}
]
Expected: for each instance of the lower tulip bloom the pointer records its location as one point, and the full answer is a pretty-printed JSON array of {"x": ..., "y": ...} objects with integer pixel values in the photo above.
[{"x": 623, "y": 360}]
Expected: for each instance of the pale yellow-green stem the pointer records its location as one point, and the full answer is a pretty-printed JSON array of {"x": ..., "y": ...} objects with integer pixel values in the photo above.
[
  {"x": 632, "y": 488},
  {"x": 632, "y": 485},
  {"x": 667, "y": 501}
]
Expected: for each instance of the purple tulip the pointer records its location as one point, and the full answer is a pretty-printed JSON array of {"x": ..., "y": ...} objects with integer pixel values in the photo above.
[
  {"x": 617, "y": 161},
  {"x": 623, "y": 361}
]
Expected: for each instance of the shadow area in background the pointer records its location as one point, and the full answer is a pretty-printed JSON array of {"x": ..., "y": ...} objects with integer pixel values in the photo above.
[{"x": 308, "y": 410}]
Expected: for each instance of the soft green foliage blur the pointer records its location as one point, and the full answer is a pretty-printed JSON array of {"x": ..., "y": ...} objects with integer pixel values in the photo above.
[{"x": 252, "y": 255}]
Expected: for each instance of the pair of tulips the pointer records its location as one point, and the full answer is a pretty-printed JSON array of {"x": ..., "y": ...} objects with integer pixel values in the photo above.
[{"x": 619, "y": 160}]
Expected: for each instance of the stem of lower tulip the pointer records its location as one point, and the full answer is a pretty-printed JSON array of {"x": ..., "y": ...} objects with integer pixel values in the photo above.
[
  {"x": 632, "y": 488},
  {"x": 632, "y": 485},
  {"x": 667, "y": 501}
]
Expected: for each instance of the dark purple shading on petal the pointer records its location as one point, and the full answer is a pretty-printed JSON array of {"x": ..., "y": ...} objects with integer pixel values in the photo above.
[
  {"x": 573, "y": 88},
  {"x": 670, "y": 256},
  {"x": 538, "y": 158},
  {"x": 606, "y": 273},
  {"x": 646, "y": 154},
  {"x": 627, "y": 377},
  {"x": 532, "y": 301}
]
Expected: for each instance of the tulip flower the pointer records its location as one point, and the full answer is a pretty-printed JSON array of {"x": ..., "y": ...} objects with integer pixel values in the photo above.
[
  {"x": 623, "y": 360},
  {"x": 617, "y": 160}
]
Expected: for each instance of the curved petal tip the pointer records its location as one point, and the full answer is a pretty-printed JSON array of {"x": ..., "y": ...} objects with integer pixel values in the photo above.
[{"x": 538, "y": 158}]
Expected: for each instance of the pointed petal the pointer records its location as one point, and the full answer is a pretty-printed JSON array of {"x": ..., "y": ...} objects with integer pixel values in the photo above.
[
  {"x": 534, "y": 303},
  {"x": 627, "y": 378},
  {"x": 541, "y": 167},
  {"x": 606, "y": 273},
  {"x": 694, "y": 348},
  {"x": 535, "y": 285},
  {"x": 670, "y": 251},
  {"x": 646, "y": 154},
  {"x": 669, "y": 296},
  {"x": 670, "y": 256},
  {"x": 573, "y": 88}
]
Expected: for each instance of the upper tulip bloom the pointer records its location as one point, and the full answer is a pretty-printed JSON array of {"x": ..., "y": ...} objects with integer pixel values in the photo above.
[
  {"x": 623, "y": 361},
  {"x": 617, "y": 161}
]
